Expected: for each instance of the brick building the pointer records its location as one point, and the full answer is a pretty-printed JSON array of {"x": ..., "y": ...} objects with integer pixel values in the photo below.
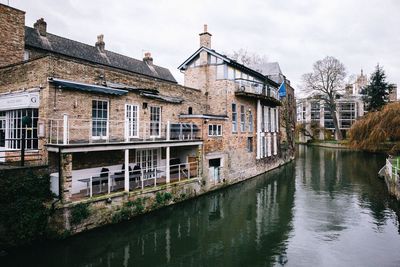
[
  {"x": 114, "y": 127},
  {"x": 241, "y": 111}
]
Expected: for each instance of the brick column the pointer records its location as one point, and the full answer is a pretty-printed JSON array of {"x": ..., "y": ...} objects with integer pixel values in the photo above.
[{"x": 66, "y": 176}]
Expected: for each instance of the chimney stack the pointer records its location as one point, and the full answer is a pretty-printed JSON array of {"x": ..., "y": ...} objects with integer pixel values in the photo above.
[
  {"x": 148, "y": 59},
  {"x": 205, "y": 38},
  {"x": 41, "y": 26},
  {"x": 100, "y": 43}
]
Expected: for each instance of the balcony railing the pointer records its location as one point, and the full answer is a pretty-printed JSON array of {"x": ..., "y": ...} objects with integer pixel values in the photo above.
[
  {"x": 105, "y": 182},
  {"x": 254, "y": 87},
  {"x": 80, "y": 131}
]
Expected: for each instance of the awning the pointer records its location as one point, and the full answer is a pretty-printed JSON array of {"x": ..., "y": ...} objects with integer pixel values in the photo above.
[
  {"x": 164, "y": 98},
  {"x": 91, "y": 88}
]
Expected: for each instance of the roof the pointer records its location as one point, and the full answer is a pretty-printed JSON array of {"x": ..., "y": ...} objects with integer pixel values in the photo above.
[
  {"x": 91, "y": 88},
  {"x": 228, "y": 60},
  {"x": 67, "y": 47}
]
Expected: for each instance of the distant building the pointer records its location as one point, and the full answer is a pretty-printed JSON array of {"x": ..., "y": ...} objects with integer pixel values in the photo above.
[{"x": 317, "y": 120}]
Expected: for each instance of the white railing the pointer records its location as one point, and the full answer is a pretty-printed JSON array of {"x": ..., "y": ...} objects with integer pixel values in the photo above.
[
  {"x": 70, "y": 131},
  {"x": 112, "y": 181},
  {"x": 254, "y": 87},
  {"x": 393, "y": 169}
]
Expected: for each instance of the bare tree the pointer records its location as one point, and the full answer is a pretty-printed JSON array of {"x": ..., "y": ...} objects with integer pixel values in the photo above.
[
  {"x": 249, "y": 59},
  {"x": 327, "y": 81}
]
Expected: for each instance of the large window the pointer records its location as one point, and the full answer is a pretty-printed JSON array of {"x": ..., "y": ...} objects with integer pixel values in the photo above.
[
  {"x": 132, "y": 119},
  {"x": 155, "y": 121},
  {"x": 249, "y": 144},
  {"x": 99, "y": 118},
  {"x": 234, "y": 118},
  {"x": 250, "y": 121},
  {"x": 221, "y": 72},
  {"x": 214, "y": 130},
  {"x": 12, "y": 129},
  {"x": 242, "y": 119}
]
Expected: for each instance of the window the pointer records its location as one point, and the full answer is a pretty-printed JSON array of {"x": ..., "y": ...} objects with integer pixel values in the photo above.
[
  {"x": 214, "y": 130},
  {"x": 132, "y": 119},
  {"x": 242, "y": 119},
  {"x": 155, "y": 121},
  {"x": 231, "y": 73},
  {"x": 190, "y": 110},
  {"x": 234, "y": 118},
  {"x": 250, "y": 121},
  {"x": 249, "y": 144},
  {"x": 12, "y": 128},
  {"x": 220, "y": 72},
  {"x": 99, "y": 118}
]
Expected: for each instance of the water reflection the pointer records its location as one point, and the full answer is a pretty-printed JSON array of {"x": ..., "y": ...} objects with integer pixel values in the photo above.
[{"x": 326, "y": 209}]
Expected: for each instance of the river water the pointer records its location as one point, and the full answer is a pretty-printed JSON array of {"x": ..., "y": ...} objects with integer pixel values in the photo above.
[{"x": 327, "y": 208}]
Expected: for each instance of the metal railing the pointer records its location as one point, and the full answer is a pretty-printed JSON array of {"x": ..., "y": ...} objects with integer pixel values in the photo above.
[
  {"x": 98, "y": 183},
  {"x": 255, "y": 87},
  {"x": 76, "y": 131},
  {"x": 393, "y": 169}
]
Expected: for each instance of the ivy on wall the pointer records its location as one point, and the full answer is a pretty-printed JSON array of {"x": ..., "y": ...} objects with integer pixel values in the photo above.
[{"x": 23, "y": 210}]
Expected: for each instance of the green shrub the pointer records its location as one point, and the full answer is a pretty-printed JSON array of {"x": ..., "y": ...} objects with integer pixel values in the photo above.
[
  {"x": 79, "y": 213},
  {"x": 23, "y": 210}
]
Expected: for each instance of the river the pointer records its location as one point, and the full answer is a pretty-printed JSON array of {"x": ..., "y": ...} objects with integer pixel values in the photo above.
[{"x": 327, "y": 208}]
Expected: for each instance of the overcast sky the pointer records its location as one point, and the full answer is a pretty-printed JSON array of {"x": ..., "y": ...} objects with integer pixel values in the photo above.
[{"x": 294, "y": 33}]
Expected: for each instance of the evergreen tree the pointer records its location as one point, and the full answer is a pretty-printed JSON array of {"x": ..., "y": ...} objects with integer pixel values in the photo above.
[{"x": 378, "y": 90}]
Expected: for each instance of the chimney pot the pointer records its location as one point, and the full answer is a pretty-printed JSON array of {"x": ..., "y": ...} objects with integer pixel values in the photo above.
[
  {"x": 41, "y": 26},
  {"x": 100, "y": 43},
  {"x": 148, "y": 59}
]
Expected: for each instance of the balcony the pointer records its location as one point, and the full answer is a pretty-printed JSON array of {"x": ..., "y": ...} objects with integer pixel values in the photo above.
[
  {"x": 257, "y": 90},
  {"x": 105, "y": 180},
  {"x": 75, "y": 132}
]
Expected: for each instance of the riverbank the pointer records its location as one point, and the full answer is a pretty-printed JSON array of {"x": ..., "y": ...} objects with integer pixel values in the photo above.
[
  {"x": 391, "y": 172},
  {"x": 329, "y": 144}
]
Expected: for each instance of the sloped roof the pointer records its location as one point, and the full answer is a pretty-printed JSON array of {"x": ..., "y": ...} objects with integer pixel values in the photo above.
[
  {"x": 229, "y": 61},
  {"x": 63, "y": 46}
]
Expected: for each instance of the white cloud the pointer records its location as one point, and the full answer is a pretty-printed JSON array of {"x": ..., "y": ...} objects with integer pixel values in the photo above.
[{"x": 294, "y": 33}]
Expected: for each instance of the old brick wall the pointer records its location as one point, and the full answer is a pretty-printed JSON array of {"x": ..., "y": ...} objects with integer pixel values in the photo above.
[{"x": 12, "y": 35}]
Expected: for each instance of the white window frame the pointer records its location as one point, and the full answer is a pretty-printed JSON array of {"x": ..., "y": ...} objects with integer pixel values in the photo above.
[
  {"x": 107, "y": 120},
  {"x": 159, "y": 122},
  {"x": 242, "y": 118},
  {"x": 129, "y": 125},
  {"x": 214, "y": 130},
  {"x": 234, "y": 121},
  {"x": 251, "y": 127}
]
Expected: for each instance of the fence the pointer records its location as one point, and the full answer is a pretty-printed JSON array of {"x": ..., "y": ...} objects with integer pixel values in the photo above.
[
  {"x": 69, "y": 131},
  {"x": 254, "y": 87},
  {"x": 393, "y": 168},
  {"x": 106, "y": 181}
]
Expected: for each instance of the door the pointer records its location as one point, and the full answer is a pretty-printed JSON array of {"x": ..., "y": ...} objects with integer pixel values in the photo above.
[
  {"x": 147, "y": 160},
  {"x": 132, "y": 120},
  {"x": 194, "y": 166}
]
